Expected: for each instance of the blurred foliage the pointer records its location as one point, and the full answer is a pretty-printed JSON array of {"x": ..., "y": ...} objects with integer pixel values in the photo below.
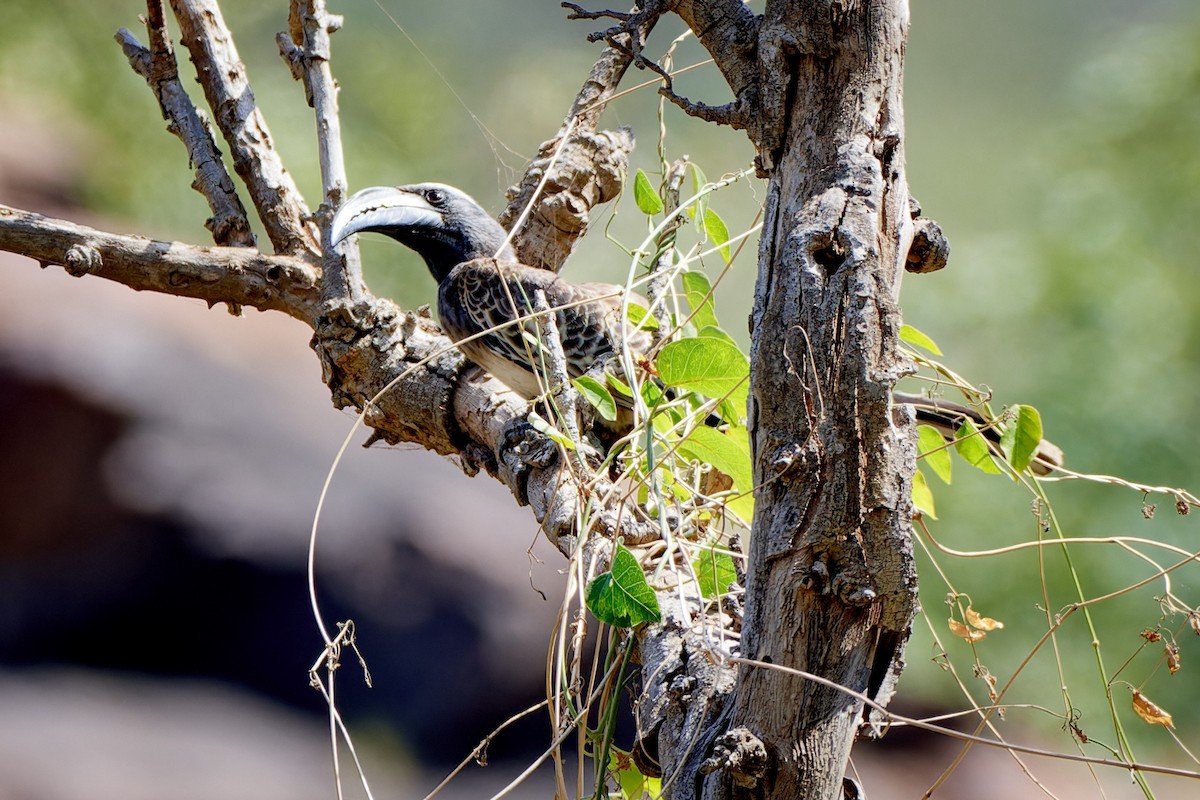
[
  {"x": 1072, "y": 286},
  {"x": 1056, "y": 143}
]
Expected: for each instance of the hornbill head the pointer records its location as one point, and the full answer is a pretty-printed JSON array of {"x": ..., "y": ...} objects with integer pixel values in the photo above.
[{"x": 443, "y": 225}]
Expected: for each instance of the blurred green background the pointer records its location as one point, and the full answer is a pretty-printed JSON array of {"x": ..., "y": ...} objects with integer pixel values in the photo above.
[{"x": 1056, "y": 143}]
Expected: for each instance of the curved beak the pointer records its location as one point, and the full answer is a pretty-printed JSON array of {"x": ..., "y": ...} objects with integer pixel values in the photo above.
[{"x": 384, "y": 209}]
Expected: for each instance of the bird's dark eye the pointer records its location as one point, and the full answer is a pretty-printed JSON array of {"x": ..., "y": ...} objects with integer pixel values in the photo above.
[{"x": 436, "y": 197}]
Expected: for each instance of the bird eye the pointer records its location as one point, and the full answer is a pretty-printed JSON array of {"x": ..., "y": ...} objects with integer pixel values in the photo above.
[{"x": 436, "y": 197}]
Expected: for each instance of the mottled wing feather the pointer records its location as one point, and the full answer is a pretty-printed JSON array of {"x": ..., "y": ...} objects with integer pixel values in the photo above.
[{"x": 473, "y": 299}]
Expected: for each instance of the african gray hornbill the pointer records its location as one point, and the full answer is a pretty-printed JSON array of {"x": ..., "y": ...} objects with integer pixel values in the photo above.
[{"x": 482, "y": 286}]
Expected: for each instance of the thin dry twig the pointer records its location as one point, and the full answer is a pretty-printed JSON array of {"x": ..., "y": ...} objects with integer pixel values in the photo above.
[
  {"x": 229, "y": 224},
  {"x": 306, "y": 49}
]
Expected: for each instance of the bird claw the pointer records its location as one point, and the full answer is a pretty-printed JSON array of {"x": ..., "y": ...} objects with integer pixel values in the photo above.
[{"x": 530, "y": 447}]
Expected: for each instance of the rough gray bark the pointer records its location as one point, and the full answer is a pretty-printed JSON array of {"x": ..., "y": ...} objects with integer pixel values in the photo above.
[
  {"x": 831, "y": 586},
  {"x": 238, "y": 275}
]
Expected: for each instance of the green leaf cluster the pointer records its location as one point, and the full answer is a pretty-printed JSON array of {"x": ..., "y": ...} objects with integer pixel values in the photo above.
[
  {"x": 698, "y": 391},
  {"x": 1020, "y": 437},
  {"x": 621, "y": 597}
]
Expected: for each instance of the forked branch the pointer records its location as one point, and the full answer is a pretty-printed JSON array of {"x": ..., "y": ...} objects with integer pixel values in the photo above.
[
  {"x": 306, "y": 49},
  {"x": 222, "y": 75},
  {"x": 229, "y": 225}
]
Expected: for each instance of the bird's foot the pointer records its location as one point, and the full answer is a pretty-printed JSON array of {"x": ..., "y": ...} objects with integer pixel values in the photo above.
[
  {"x": 523, "y": 449},
  {"x": 529, "y": 446}
]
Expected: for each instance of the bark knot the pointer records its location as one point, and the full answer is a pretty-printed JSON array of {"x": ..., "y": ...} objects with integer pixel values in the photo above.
[
  {"x": 930, "y": 250},
  {"x": 741, "y": 754},
  {"x": 82, "y": 259}
]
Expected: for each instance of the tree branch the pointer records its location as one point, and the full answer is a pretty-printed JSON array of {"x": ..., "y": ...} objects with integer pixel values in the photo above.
[
  {"x": 589, "y": 168},
  {"x": 229, "y": 225},
  {"x": 413, "y": 381},
  {"x": 236, "y": 275},
  {"x": 729, "y": 31},
  {"x": 417, "y": 387},
  {"x": 687, "y": 684},
  {"x": 227, "y": 90},
  {"x": 306, "y": 48}
]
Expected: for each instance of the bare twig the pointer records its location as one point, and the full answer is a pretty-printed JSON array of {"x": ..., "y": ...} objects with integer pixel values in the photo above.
[
  {"x": 601, "y": 83},
  {"x": 227, "y": 90},
  {"x": 735, "y": 114},
  {"x": 306, "y": 48},
  {"x": 158, "y": 66},
  {"x": 579, "y": 12},
  {"x": 728, "y": 29}
]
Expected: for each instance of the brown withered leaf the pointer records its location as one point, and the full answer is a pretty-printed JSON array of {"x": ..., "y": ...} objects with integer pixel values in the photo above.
[
  {"x": 1174, "y": 663},
  {"x": 984, "y": 674},
  {"x": 982, "y": 623},
  {"x": 1150, "y": 711},
  {"x": 963, "y": 632}
]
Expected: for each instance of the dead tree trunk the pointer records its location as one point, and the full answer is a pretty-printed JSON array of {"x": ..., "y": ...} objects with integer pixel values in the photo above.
[{"x": 831, "y": 586}]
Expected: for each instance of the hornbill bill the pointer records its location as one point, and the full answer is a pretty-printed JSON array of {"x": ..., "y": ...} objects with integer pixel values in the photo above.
[{"x": 482, "y": 286}]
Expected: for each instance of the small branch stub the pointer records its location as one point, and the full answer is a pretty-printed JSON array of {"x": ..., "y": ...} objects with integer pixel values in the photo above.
[
  {"x": 82, "y": 259},
  {"x": 930, "y": 250},
  {"x": 740, "y": 753}
]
